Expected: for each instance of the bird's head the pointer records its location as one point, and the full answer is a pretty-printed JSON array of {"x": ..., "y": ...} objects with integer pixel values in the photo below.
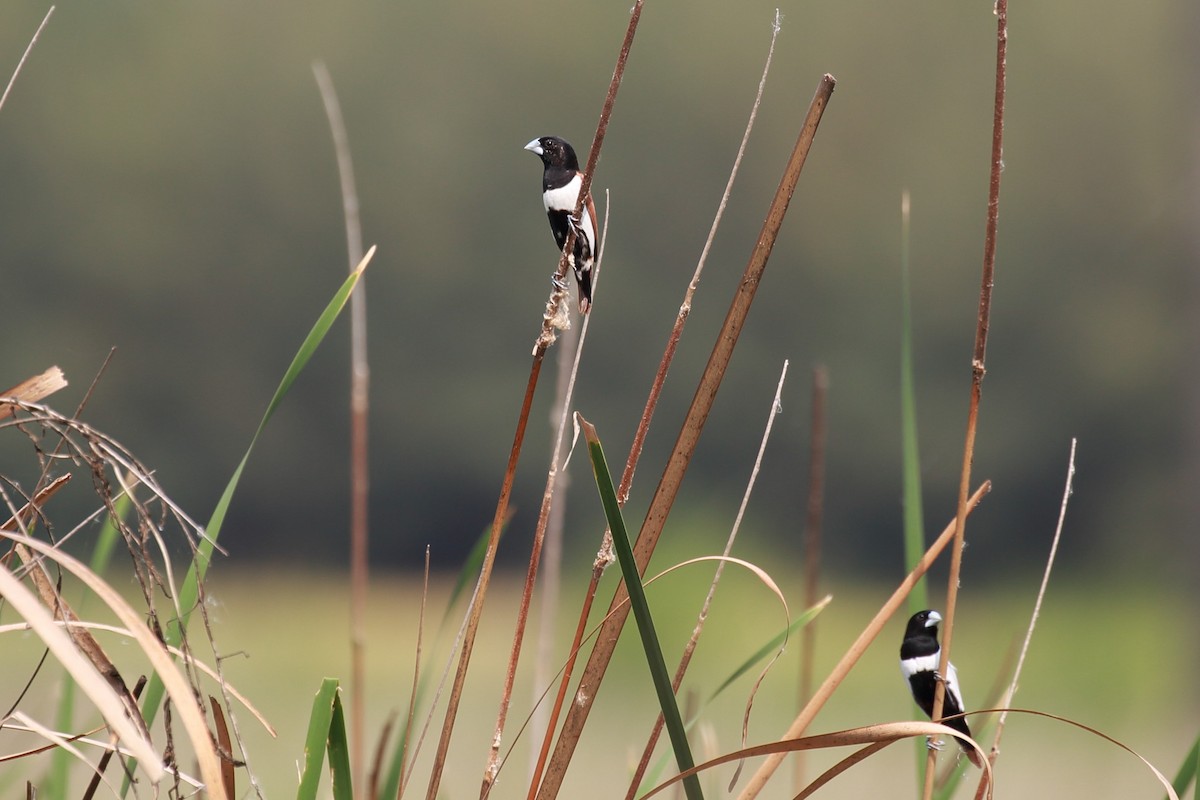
[
  {"x": 922, "y": 621},
  {"x": 554, "y": 152}
]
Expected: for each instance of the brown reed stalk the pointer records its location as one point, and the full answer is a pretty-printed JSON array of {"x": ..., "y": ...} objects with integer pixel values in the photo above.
[
  {"x": 856, "y": 650},
  {"x": 360, "y": 384},
  {"x": 545, "y": 339},
  {"x": 818, "y": 432},
  {"x": 689, "y": 435},
  {"x": 605, "y": 557},
  {"x": 978, "y": 369},
  {"x": 546, "y": 635},
  {"x": 569, "y": 358}
]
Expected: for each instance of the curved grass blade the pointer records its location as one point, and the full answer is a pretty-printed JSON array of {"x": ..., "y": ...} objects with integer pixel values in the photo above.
[
  {"x": 771, "y": 646},
  {"x": 641, "y": 613},
  {"x": 189, "y": 592},
  {"x": 653, "y": 775}
]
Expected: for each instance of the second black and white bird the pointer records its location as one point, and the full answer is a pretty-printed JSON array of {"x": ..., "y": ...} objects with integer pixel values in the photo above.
[
  {"x": 920, "y": 655},
  {"x": 561, "y": 181}
]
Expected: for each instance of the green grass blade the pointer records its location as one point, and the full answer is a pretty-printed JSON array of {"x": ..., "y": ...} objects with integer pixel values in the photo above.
[
  {"x": 470, "y": 570},
  {"x": 914, "y": 513},
  {"x": 641, "y": 613},
  {"x": 315, "y": 743},
  {"x": 339, "y": 753},
  {"x": 189, "y": 592},
  {"x": 1189, "y": 772}
]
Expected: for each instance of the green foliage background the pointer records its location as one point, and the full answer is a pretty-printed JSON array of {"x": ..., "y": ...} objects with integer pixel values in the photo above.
[{"x": 169, "y": 189}]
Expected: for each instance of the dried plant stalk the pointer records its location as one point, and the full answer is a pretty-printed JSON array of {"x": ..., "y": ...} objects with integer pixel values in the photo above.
[
  {"x": 978, "y": 370},
  {"x": 689, "y": 435}
]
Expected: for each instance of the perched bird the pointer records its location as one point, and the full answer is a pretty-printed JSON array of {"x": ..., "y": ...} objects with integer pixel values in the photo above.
[
  {"x": 920, "y": 654},
  {"x": 561, "y": 180}
]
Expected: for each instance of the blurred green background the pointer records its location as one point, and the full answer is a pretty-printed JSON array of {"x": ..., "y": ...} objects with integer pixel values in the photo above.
[{"x": 169, "y": 189}]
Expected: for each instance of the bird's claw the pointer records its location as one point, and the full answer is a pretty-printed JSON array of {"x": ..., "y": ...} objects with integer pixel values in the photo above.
[
  {"x": 933, "y": 744},
  {"x": 559, "y": 283}
]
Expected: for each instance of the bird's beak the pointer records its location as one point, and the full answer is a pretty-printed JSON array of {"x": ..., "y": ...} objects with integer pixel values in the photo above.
[
  {"x": 934, "y": 619},
  {"x": 535, "y": 147}
]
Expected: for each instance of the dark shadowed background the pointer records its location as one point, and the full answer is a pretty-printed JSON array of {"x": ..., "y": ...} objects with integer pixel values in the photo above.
[{"x": 169, "y": 189}]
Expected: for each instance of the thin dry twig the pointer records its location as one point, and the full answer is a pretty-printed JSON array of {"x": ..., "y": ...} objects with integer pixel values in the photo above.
[
  {"x": 360, "y": 384},
  {"x": 689, "y": 435},
  {"x": 855, "y": 651},
  {"x": 412, "y": 696},
  {"x": 978, "y": 370},
  {"x": 24, "y": 56},
  {"x": 1006, "y": 701},
  {"x": 690, "y": 648}
]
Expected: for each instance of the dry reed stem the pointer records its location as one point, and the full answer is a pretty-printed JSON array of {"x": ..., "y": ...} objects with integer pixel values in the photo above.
[
  {"x": 360, "y": 383},
  {"x": 1006, "y": 701},
  {"x": 978, "y": 369},
  {"x": 875, "y": 736},
  {"x": 818, "y": 433},
  {"x": 856, "y": 650},
  {"x": 605, "y": 557},
  {"x": 689, "y": 435},
  {"x": 546, "y": 635},
  {"x": 690, "y": 648},
  {"x": 545, "y": 339},
  {"x": 32, "y": 390},
  {"x": 566, "y": 384},
  {"x": 24, "y": 56}
]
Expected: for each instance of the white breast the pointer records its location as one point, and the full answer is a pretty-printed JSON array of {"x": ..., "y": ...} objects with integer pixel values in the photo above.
[{"x": 564, "y": 198}]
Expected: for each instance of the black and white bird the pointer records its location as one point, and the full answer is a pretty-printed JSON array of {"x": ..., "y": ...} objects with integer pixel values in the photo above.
[
  {"x": 561, "y": 180},
  {"x": 920, "y": 655}
]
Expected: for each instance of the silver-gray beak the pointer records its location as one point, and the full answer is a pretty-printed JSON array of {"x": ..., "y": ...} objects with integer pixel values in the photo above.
[
  {"x": 535, "y": 147},
  {"x": 934, "y": 619}
]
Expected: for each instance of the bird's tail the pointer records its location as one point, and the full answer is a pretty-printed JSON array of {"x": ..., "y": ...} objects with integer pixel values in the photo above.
[
  {"x": 972, "y": 754},
  {"x": 584, "y": 278}
]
